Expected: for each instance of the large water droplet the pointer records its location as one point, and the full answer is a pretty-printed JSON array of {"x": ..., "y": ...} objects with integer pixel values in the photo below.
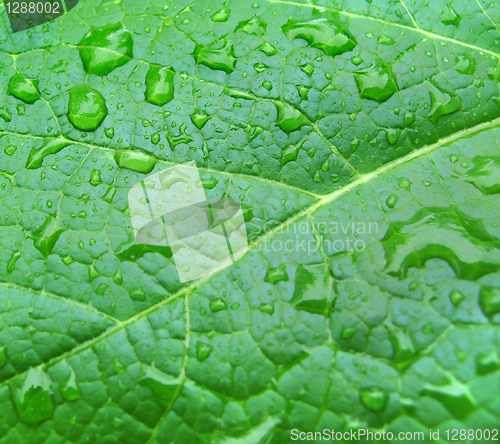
[
  {"x": 379, "y": 84},
  {"x": 218, "y": 56},
  {"x": 322, "y": 33},
  {"x": 23, "y": 89},
  {"x": 104, "y": 49},
  {"x": 159, "y": 85},
  {"x": 87, "y": 108}
]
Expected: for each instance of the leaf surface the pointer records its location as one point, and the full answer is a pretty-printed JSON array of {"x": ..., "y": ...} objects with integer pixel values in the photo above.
[{"x": 363, "y": 141}]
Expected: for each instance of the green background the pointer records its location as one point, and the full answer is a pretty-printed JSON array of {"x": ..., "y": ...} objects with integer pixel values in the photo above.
[{"x": 321, "y": 114}]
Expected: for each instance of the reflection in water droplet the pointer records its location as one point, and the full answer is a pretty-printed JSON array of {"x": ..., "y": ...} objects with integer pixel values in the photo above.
[
  {"x": 104, "y": 49},
  {"x": 87, "y": 108}
]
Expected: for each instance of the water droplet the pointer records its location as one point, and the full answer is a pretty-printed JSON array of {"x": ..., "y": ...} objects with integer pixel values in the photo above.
[
  {"x": 267, "y": 84},
  {"x": 274, "y": 275},
  {"x": 375, "y": 400},
  {"x": 23, "y": 89},
  {"x": 101, "y": 289},
  {"x": 135, "y": 160},
  {"x": 289, "y": 119},
  {"x": 235, "y": 306},
  {"x": 456, "y": 297},
  {"x": 317, "y": 177},
  {"x": 442, "y": 102},
  {"x": 10, "y": 150},
  {"x": 109, "y": 132},
  {"x": 348, "y": 332},
  {"x": 159, "y": 85},
  {"x": 392, "y": 200},
  {"x": 413, "y": 286},
  {"x": 217, "y": 56},
  {"x": 138, "y": 295},
  {"x": 454, "y": 158},
  {"x": 267, "y": 49},
  {"x": 5, "y": 114},
  {"x": 392, "y": 135},
  {"x": 450, "y": 17},
  {"x": 465, "y": 64},
  {"x": 217, "y": 305},
  {"x": 155, "y": 138},
  {"x": 33, "y": 400},
  {"x": 104, "y": 49},
  {"x": 117, "y": 278},
  {"x": 379, "y": 84},
  {"x": 321, "y": 33},
  {"x": 267, "y": 308},
  {"x": 386, "y": 40},
  {"x": 260, "y": 67},
  {"x": 489, "y": 300},
  {"x": 357, "y": 60},
  {"x": 203, "y": 350},
  {"x": 221, "y": 16},
  {"x": 405, "y": 183},
  {"x": 87, "y": 108},
  {"x": 12, "y": 263},
  {"x": 199, "y": 119},
  {"x": 49, "y": 146},
  {"x": 95, "y": 177},
  {"x": 487, "y": 363},
  {"x": 308, "y": 68}
]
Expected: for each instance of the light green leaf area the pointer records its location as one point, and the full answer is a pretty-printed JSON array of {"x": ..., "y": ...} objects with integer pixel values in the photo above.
[{"x": 363, "y": 142}]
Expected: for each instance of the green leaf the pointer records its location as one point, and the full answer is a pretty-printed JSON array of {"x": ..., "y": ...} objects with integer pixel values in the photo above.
[{"x": 363, "y": 143}]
